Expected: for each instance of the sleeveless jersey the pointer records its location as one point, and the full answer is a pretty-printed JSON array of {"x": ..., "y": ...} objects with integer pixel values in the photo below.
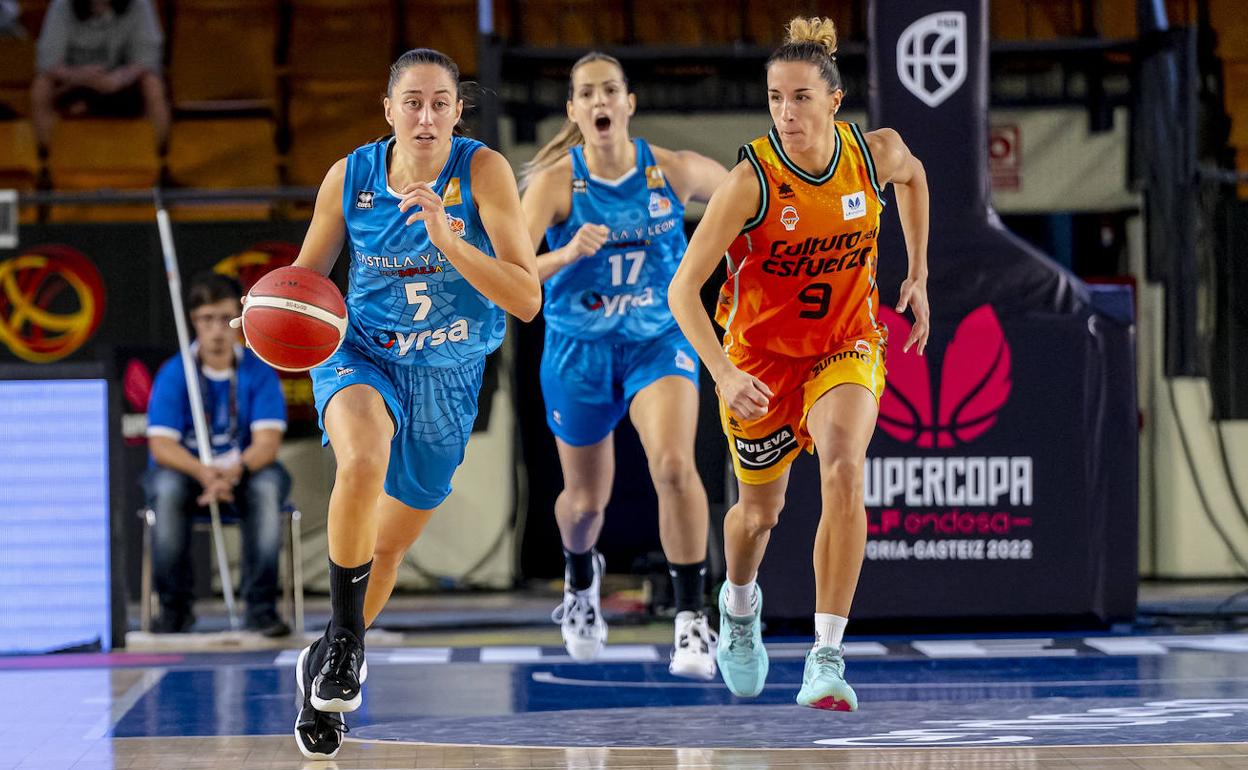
[
  {"x": 620, "y": 293},
  {"x": 801, "y": 275},
  {"x": 407, "y": 303}
]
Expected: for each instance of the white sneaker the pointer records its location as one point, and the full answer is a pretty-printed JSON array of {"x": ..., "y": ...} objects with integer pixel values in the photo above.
[
  {"x": 580, "y": 617},
  {"x": 693, "y": 653}
]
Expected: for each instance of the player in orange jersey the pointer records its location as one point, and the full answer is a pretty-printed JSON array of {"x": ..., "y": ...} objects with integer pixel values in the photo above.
[{"x": 802, "y": 361}]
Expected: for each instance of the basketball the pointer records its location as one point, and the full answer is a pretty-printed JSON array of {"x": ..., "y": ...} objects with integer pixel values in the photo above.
[{"x": 294, "y": 319}]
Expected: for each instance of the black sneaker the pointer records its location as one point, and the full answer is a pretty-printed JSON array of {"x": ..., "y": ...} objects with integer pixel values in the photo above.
[
  {"x": 268, "y": 624},
  {"x": 337, "y": 685},
  {"x": 318, "y": 734}
]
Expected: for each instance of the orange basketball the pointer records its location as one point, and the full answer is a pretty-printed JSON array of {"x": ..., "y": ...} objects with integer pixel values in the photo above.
[{"x": 294, "y": 318}]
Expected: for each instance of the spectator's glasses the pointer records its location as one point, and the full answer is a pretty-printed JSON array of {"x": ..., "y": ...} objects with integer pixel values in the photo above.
[{"x": 211, "y": 319}]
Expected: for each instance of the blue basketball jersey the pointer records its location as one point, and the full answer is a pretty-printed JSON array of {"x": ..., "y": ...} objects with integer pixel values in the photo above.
[
  {"x": 620, "y": 293},
  {"x": 407, "y": 303}
]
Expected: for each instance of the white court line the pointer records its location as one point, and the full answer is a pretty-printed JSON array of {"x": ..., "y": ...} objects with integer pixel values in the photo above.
[
  {"x": 420, "y": 655},
  {"x": 545, "y": 677},
  {"x": 511, "y": 654},
  {"x": 121, "y": 706}
]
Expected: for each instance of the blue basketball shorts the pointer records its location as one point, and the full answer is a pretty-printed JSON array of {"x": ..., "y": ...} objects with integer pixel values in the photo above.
[
  {"x": 588, "y": 385},
  {"x": 433, "y": 409}
]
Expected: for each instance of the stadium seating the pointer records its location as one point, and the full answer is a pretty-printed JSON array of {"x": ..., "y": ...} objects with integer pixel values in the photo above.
[
  {"x": 447, "y": 25},
  {"x": 341, "y": 38},
  {"x": 223, "y": 54},
  {"x": 328, "y": 118},
  {"x": 223, "y": 152},
  {"x": 99, "y": 153}
]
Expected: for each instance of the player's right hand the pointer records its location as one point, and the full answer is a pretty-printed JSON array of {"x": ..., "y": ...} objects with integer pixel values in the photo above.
[
  {"x": 588, "y": 240},
  {"x": 237, "y": 323},
  {"x": 745, "y": 395}
]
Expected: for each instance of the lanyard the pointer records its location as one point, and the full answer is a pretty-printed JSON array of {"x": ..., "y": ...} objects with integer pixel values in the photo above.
[{"x": 232, "y": 429}]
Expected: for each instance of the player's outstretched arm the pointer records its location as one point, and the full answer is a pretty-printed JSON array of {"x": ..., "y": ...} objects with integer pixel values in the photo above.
[
  {"x": 547, "y": 201},
  {"x": 730, "y": 208},
  {"x": 328, "y": 231},
  {"x": 894, "y": 163},
  {"x": 510, "y": 280}
]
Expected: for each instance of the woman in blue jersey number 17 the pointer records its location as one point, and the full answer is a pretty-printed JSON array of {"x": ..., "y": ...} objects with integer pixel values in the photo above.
[
  {"x": 612, "y": 211},
  {"x": 438, "y": 255}
]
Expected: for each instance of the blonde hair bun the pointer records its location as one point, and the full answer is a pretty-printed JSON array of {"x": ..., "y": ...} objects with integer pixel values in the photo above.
[{"x": 817, "y": 29}]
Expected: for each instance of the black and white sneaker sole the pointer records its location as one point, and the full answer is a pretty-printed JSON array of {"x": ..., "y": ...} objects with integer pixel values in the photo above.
[
  {"x": 338, "y": 705},
  {"x": 303, "y": 749}
]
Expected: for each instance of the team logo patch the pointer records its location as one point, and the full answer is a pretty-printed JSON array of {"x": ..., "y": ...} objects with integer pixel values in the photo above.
[
  {"x": 452, "y": 196},
  {"x": 862, "y": 346},
  {"x": 683, "y": 361},
  {"x": 578, "y": 185},
  {"x": 343, "y": 371},
  {"x": 364, "y": 199},
  {"x": 758, "y": 454},
  {"x": 854, "y": 205},
  {"x": 654, "y": 177},
  {"x": 789, "y": 218},
  {"x": 660, "y": 206},
  {"x": 457, "y": 225},
  {"x": 784, "y": 191}
]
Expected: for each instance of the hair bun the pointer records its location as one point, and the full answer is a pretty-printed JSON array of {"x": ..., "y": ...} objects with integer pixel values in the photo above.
[{"x": 818, "y": 30}]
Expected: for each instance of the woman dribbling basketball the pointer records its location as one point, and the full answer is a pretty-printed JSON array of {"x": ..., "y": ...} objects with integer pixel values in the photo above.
[{"x": 439, "y": 254}]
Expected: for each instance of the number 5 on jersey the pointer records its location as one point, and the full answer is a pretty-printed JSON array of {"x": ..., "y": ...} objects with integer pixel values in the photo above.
[{"x": 415, "y": 296}]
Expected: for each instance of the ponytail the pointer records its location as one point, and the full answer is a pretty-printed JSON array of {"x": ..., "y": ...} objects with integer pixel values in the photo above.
[{"x": 568, "y": 137}]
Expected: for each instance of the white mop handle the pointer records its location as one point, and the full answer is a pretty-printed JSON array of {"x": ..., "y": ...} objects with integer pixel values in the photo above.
[{"x": 203, "y": 438}]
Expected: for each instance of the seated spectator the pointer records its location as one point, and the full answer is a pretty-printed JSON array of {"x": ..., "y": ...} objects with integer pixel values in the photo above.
[
  {"x": 246, "y": 414},
  {"x": 99, "y": 57}
]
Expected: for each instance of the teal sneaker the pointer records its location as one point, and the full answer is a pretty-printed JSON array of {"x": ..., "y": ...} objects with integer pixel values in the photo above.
[
  {"x": 741, "y": 655},
  {"x": 823, "y": 682}
]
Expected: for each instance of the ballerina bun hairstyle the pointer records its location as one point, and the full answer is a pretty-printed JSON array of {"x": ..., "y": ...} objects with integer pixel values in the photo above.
[{"x": 811, "y": 40}]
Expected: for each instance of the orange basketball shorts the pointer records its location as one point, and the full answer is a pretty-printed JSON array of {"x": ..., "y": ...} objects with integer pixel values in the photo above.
[{"x": 762, "y": 449}]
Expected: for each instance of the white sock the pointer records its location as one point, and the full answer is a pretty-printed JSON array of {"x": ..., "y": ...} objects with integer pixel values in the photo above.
[
  {"x": 741, "y": 601},
  {"x": 829, "y": 629}
]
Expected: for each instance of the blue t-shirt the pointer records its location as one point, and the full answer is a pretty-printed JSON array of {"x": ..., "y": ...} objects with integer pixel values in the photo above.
[
  {"x": 407, "y": 303},
  {"x": 237, "y": 402},
  {"x": 620, "y": 293}
]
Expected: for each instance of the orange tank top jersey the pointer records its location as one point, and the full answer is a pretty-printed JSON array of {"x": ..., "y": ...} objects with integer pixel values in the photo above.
[{"x": 801, "y": 275}]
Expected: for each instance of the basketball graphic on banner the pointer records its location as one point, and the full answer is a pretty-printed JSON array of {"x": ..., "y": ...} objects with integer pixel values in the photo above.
[
  {"x": 974, "y": 384},
  {"x": 51, "y": 302}
]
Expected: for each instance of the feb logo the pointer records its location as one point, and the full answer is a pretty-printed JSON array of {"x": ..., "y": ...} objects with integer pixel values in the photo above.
[
  {"x": 457, "y": 225},
  {"x": 974, "y": 384},
  {"x": 931, "y": 56},
  {"x": 51, "y": 302},
  {"x": 788, "y": 218}
]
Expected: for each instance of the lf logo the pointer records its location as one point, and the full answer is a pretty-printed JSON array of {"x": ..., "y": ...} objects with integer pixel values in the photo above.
[{"x": 931, "y": 56}]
